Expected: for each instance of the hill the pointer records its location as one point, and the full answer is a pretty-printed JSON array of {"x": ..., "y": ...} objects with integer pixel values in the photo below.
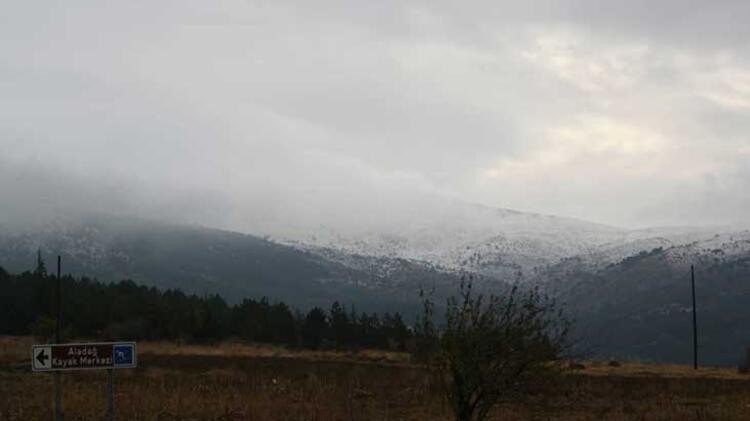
[
  {"x": 453, "y": 235},
  {"x": 640, "y": 307},
  {"x": 627, "y": 289},
  {"x": 208, "y": 261}
]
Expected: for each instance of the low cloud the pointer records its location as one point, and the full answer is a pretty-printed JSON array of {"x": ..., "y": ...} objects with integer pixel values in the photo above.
[{"x": 284, "y": 117}]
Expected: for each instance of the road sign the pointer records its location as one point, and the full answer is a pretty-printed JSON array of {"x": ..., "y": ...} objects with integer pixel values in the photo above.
[{"x": 83, "y": 356}]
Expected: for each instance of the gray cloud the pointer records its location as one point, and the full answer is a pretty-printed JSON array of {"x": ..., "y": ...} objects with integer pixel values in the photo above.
[{"x": 267, "y": 116}]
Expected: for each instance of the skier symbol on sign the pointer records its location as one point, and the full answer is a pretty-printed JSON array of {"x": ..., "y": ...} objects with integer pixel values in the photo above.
[{"x": 43, "y": 358}]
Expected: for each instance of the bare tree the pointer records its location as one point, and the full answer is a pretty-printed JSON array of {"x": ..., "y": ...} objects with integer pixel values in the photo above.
[{"x": 492, "y": 348}]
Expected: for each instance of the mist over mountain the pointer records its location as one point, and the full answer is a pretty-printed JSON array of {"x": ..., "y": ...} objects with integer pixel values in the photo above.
[
  {"x": 325, "y": 203},
  {"x": 360, "y": 151},
  {"x": 209, "y": 261}
]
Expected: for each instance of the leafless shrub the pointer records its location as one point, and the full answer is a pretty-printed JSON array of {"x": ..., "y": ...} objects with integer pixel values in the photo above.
[{"x": 494, "y": 348}]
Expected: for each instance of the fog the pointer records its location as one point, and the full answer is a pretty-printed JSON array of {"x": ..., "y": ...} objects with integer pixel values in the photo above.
[{"x": 271, "y": 117}]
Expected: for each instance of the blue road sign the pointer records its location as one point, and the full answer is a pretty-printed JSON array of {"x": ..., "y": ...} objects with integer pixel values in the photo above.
[{"x": 124, "y": 355}]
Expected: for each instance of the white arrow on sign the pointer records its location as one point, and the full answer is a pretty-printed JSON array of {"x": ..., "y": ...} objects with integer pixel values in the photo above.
[{"x": 43, "y": 358}]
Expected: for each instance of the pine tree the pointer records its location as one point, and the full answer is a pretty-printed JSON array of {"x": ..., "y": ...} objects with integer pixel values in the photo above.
[
  {"x": 314, "y": 328},
  {"x": 41, "y": 268},
  {"x": 339, "y": 324}
]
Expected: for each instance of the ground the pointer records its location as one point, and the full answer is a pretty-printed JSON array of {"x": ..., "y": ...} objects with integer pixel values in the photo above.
[{"x": 248, "y": 382}]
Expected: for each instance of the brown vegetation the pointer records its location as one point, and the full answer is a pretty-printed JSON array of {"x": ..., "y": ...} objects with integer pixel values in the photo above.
[{"x": 238, "y": 382}]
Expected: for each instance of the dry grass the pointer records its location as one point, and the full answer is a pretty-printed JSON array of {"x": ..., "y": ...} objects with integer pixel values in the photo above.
[
  {"x": 236, "y": 382},
  {"x": 15, "y": 349},
  {"x": 633, "y": 369},
  {"x": 234, "y": 349}
]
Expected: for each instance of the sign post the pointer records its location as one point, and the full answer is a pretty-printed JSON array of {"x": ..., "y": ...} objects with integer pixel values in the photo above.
[
  {"x": 110, "y": 395},
  {"x": 86, "y": 356},
  {"x": 58, "y": 324}
]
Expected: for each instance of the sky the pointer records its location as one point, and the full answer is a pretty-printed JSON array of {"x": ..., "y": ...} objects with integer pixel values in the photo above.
[{"x": 249, "y": 115}]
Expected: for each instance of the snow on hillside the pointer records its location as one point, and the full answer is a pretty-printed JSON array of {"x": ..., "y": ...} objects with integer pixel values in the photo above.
[
  {"x": 495, "y": 242},
  {"x": 720, "y": 247},
  {"x": 501, "y": 243},
  {"x": 449, "y": 236}
]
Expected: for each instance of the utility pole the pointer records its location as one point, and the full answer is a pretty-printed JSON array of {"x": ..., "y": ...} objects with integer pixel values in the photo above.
[
  {"x": 695, "y": 321},
  {"x": 59, "y": 300},
  {"x": 58, "y": 325}
]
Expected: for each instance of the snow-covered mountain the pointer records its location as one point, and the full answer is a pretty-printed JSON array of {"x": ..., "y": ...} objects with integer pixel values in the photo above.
[
  {"x": 498, "y": 243},
  {"x": 459, "y": 236},
  {"x": 448, "y": 236},
  {"x": 209, "y": 261},
  {"x": 625, "y": 288}
]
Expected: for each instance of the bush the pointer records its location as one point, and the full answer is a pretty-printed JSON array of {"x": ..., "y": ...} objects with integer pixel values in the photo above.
[{"x": 495, "y": 348}]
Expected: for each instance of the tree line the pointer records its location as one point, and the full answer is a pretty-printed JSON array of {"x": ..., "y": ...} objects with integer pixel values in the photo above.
[
  {"x": 126, "y": 310},
  {"x": 485, "y": 350}
]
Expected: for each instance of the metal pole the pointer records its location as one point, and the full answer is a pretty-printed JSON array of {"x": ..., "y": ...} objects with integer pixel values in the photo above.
[
  {"x": 58, "y": 397},
  {"x": 58, "y": 378},
  {"x": 110, "y": 395},
  {"x": 695, "y": 321},
  {"x": 59, "y": 300}
]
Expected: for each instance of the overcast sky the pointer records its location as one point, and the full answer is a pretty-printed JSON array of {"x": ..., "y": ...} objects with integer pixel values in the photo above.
[{"x": 237, "y": 113}]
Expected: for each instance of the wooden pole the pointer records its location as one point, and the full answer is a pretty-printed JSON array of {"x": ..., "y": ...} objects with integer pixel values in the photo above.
[
  {"x": 695, "y": 321},
  {"x": 110, "y": 395},
  {"x": 58, "y": 325}
]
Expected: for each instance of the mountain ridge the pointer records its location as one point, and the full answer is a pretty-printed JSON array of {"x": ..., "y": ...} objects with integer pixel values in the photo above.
[{"x": 611, "y": 281}]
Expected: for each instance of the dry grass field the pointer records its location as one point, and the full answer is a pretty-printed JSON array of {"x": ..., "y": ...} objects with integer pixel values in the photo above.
[{"x": 241, "y": 382}]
